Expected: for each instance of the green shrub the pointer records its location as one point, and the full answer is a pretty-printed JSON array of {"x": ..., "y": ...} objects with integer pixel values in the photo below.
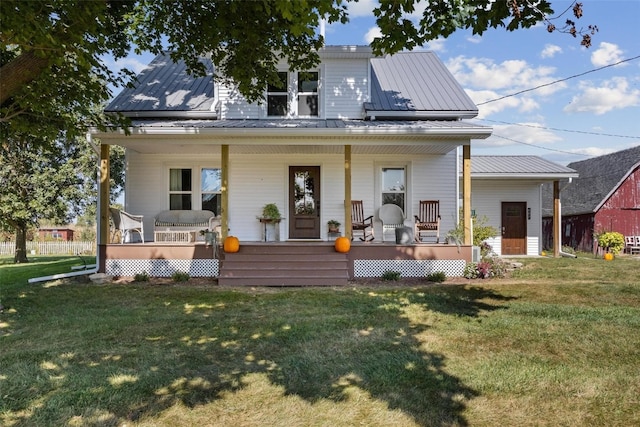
[
  {"x": 180, "y": 276},
  {"x": 481, "y": 231},
  {"x": 437, "y": 277},
  {"x": 611, "y": 240},
  {"x": 391, "y": 275},
  {"x": 141, "y": 277}
]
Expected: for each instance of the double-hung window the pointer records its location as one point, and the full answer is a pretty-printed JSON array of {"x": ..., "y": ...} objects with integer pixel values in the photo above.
[
  {"x": 294, "y": 95},
  {"x": 393, "y": 186},
  {"x": 183, "y": 195}
]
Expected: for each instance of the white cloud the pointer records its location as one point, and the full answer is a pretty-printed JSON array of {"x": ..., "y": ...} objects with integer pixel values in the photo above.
[
  {"x": 519, "y": 135},
  {"x": 550, "y": 50},
  {"x": 133, "y": 63},
  {"x": 511, "y": 75},
  {"x": 371, "y": 34},
  {"x": 611, "y": 95},
  {"x": 437, "y": 45},
  {"x": 361, "y": 8},
  {"x": 606, "y": 54}
]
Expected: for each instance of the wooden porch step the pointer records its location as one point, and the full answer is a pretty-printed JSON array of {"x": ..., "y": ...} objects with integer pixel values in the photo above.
[{"x": 284, "y": 264}]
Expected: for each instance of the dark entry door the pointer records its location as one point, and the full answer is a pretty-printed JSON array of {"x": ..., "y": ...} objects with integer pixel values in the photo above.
[
  {"x": 304, "y": 202},
  {"x": 514, "y": 228}
]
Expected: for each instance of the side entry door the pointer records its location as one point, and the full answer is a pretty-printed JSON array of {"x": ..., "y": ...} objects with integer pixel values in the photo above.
[{"x": 514, "y": 228}]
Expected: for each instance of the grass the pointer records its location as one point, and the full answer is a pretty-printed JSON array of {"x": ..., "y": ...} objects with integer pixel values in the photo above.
[{"x": 557, "y": 343}]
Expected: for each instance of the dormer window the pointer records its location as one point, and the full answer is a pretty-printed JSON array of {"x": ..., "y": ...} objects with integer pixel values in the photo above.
[{"x": 296, "y": 95}]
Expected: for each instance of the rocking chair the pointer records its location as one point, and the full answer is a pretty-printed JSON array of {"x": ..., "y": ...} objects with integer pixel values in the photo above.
[
  {"x": 360, "y": 223},
  {"x": 428, "y": 220}
]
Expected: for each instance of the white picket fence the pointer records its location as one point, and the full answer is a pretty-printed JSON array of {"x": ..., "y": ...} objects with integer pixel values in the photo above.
[{"x": 51, "y": 248}]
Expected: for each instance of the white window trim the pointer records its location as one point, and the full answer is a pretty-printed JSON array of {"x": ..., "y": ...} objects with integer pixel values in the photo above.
[
  {"x": 292, "y": 93},
  {"x": 408, "y": 199},
  {"x": 196, "y": 188}
]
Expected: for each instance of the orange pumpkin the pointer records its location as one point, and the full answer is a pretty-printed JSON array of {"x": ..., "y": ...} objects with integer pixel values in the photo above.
[
  {"x": 342, "y": 244},
  {"x": 231, "y": 244},
  {"x": 608, "y": 256}
]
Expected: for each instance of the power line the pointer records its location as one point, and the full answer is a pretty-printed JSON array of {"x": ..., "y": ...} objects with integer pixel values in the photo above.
[
  {"x": 539, "y": 146},
  {"x": 562, "y": 130},
  {"x": 559, "y": 81}
]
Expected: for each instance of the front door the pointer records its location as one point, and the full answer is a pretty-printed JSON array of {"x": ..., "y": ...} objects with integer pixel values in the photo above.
[
  {"x": 514, "y": 228},
  {"x": 304, "y": 202}
]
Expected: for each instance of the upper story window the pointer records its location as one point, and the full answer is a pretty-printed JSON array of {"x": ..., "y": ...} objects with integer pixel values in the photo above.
[{"x": 295, "y": 95}]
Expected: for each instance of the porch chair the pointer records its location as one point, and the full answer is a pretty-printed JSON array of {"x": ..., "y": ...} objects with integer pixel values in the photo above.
[
  {"x": 127, "y": 223},
  {"x": 391, "y": 216},
  {"x": 428, "y": 220},
  {"x": 360, "y": 223},
  {"x": 635, "y": 249}
]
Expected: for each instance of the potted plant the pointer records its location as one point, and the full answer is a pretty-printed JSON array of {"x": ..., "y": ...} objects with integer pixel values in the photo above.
[
  {"x": 271, "y": 212},
  {"x": 334, "y": 226}
]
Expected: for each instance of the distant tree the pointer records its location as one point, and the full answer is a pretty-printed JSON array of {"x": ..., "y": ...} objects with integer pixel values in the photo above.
[
  {"x": 51, "y": 51},
  {"x": 38, "y": 180}
]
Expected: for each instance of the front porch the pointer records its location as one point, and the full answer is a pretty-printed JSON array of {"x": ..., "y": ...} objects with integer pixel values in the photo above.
[{"x": 289, "y": 263}]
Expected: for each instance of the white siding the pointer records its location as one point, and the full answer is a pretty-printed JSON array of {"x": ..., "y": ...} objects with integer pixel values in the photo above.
[
  {"x": 234, "y": 105},
  {"x": 487, "y": 197},
  {"x": 255, "y": 180},
  {"x": 345, "y": 87}
]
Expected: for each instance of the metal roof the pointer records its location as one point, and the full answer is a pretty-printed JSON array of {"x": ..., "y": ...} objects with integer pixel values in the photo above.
[
  {"x": 418, "y": 83},
  {"x": 518, "y": 167},
  {"x": 165, "y": 87},
  {"x": 407, "y": 86}
]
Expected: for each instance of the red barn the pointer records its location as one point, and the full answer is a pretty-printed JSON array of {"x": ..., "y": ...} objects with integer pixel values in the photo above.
[{"x": 605, "y": 197}]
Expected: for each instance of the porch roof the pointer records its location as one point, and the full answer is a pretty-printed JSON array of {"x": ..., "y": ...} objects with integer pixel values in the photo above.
[
  {"x": 430, "y": 136},
  {"x": 518, "y": 167}
]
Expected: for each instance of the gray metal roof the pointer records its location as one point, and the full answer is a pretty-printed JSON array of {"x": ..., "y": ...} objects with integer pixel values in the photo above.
[
  {"x": 599, "y": 178},
  {"x": 165, "y": 86},
  {"x": 518, "y": 166},
  {"x": 408, "y": 86},
  {"x": 416, "y": 82}
]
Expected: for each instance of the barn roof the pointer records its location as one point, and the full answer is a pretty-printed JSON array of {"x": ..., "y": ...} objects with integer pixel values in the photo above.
[{"x": 599, "y": 178}]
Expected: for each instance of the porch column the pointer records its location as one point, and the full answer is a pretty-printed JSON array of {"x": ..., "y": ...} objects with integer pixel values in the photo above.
[
  {"x": 557, "y": 219},
  {"x": 224, "y": 193},
  {"x": 103, "y": 205},
  {"x": 466, "y": 193},
  {"x": 347, "y": 192}
]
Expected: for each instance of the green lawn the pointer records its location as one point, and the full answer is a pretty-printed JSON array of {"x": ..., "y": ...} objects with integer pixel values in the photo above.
[{"x": 557, "y": 343}]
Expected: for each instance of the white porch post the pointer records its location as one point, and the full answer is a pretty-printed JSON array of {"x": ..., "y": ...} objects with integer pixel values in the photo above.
[
  {"x": 347, "y": 192},
  {"x": 466, "y": 193},
  {"x": 224, "y": 193}
]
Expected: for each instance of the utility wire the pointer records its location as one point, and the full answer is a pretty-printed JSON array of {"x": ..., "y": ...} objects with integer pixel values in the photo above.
[
  {"x": 562, "y": 130},
  {"x": 559, "y": 81},
  {"x": 539, "y": 146}
]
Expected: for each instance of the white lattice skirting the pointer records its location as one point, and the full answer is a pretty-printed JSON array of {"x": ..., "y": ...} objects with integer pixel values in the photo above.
[
  {"x": 162, "y": 267},
  {"x": 408, "y": 267}
]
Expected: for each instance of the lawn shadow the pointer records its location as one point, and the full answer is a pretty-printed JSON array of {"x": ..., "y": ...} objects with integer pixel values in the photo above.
[{"x": 202, "y": 346}]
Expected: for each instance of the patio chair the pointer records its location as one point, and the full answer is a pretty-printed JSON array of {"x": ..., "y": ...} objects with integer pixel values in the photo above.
[
  {"x": 127, "y": 223},
  {"x": 428, "y": 220},
  {"x": 629, "y": 243},
  {"x": 360, "y": 223},
  {"x": 392, "y": 217}
]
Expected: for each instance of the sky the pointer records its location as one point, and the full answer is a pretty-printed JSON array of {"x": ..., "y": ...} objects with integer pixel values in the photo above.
[{"x": 542, "y": 92}]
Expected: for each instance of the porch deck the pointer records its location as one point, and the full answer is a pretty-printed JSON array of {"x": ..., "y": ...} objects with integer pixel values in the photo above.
[{"x": 287, "y": 263}]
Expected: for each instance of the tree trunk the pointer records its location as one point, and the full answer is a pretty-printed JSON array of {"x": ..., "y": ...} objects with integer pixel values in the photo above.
[
  {"x": 20, "y": 71},
  {"x": 21, "y": 245}
]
